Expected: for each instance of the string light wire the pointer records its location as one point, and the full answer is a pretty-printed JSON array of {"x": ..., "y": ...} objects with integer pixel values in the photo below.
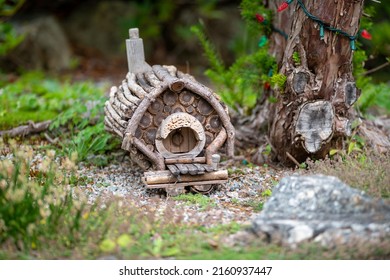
[{"x": 322, "y": 24}]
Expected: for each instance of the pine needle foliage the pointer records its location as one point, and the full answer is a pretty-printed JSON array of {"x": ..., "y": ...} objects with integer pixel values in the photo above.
[
  {"x": 210, "y": 51},
  {"x": 240, "y": 84},
  {"x": 249, "y": 10}
]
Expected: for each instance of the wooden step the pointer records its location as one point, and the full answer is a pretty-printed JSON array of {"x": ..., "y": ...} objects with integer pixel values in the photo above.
[
  {"x": 166, "y": 178},
  {"x": 189, "y": 168}
]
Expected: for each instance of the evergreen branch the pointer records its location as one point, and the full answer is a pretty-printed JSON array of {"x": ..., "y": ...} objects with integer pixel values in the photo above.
[{"x": 213, "y": 57}]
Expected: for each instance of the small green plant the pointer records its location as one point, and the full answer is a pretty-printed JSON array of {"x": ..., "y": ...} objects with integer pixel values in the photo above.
[
  {"x": 212, "y": 55},
  {"x": 231, "y": 228},
  {"x": 373, "y": 94},
  {"x": 296, "y": 58},
  {"x": 197, "y": 199},
  {"x": 303, "y": 165},
  {"x": 8, "y": 37},
  {"x": 249, "y": 9},
  {"x": 256, "y": 205},
  {"x": 266, "y": 193},
  {"x": 236, "y": 172},
  {"x": 92, "y": 140},
  {"x": 267, "y": 150},
  {"x": 377, "y": 95},
  {"x": 355, "y": 144},
  {"x": 278, "y": 80}
]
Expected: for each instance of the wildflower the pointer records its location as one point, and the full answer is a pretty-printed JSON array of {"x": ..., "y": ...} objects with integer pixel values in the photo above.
[
  {"x": 74, "y": 156},
  {"x": 45, "y": 212},
  {"x": 107, "y": 245},
  {"x": 124, "y": 240},
  {"x": 44, "y": 166},
  {"x": 9, "y": 167},
  {"x": 15, "y": 196},
  {"x": 3, "y": 227},
  {"x": 68, "y": 164},
  {"x": 51, "y": 154},
  {"x": 31, "y": 228},
  {"x": 29, "y": 152},
  {"x": 3, "y": 184}
]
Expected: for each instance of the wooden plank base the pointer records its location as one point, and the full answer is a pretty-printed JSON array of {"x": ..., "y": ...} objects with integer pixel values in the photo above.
[
  {"x": 166, "y": 179},
  {"x": 166, "y": 176},
  {"x": 187, "y": 184}
]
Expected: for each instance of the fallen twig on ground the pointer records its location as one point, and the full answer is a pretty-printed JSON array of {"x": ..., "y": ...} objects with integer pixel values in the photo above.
[{"x": 24, "y": 130}]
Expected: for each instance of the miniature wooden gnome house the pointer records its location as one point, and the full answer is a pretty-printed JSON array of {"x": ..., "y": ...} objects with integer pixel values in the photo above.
[{"x": 172, "y": 125}]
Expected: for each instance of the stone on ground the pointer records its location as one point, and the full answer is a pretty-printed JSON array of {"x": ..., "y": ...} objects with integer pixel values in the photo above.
[{"x": 324, "y": 210}]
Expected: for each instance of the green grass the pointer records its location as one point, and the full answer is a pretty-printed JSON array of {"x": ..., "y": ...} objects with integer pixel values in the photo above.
[
  {"x": 37, "y": 208},
  {"x": 362, "y": 169},
  {"x": 202, "y": 201},
  {"x": 10, "y": 118},
  {"x": 76, "y": 111},
  {"x": 255, "y": 204},
  {"x": 35, "y": 97}
]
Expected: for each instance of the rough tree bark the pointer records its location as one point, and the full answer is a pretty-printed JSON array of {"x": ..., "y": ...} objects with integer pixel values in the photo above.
[{"x": 313, "y": 111}]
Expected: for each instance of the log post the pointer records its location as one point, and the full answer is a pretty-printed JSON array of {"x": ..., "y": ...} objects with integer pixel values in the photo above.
[{"x": 313, "y": 109}]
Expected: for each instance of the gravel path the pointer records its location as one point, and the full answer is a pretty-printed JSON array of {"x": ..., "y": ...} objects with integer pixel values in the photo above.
[{"x": 238, "y": 200}]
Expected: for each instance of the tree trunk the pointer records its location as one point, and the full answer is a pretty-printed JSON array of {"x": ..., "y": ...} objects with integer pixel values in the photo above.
[{"x": 313, "y": 110}]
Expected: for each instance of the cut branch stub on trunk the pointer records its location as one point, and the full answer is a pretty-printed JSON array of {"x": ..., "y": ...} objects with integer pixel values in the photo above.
[
  {"x": 351, "y": 94},
  {"x": 314, "y": 125},
  {"x": 346, "y": 93},
  {"x": 299, "y": 82},
  {"x": 343, "y": 126}
]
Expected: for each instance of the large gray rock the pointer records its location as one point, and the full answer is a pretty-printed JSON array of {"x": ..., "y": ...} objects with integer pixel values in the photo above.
[{"x": 322, "y": 209}]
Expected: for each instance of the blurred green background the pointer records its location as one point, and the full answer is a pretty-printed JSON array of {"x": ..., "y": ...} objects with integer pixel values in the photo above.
[
  {"x": 88, "y": 37},
  {"x": 85, "y": 41}
]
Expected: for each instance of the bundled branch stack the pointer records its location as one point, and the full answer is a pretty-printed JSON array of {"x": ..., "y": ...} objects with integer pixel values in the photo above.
[{"x": 172, "y": 125}]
